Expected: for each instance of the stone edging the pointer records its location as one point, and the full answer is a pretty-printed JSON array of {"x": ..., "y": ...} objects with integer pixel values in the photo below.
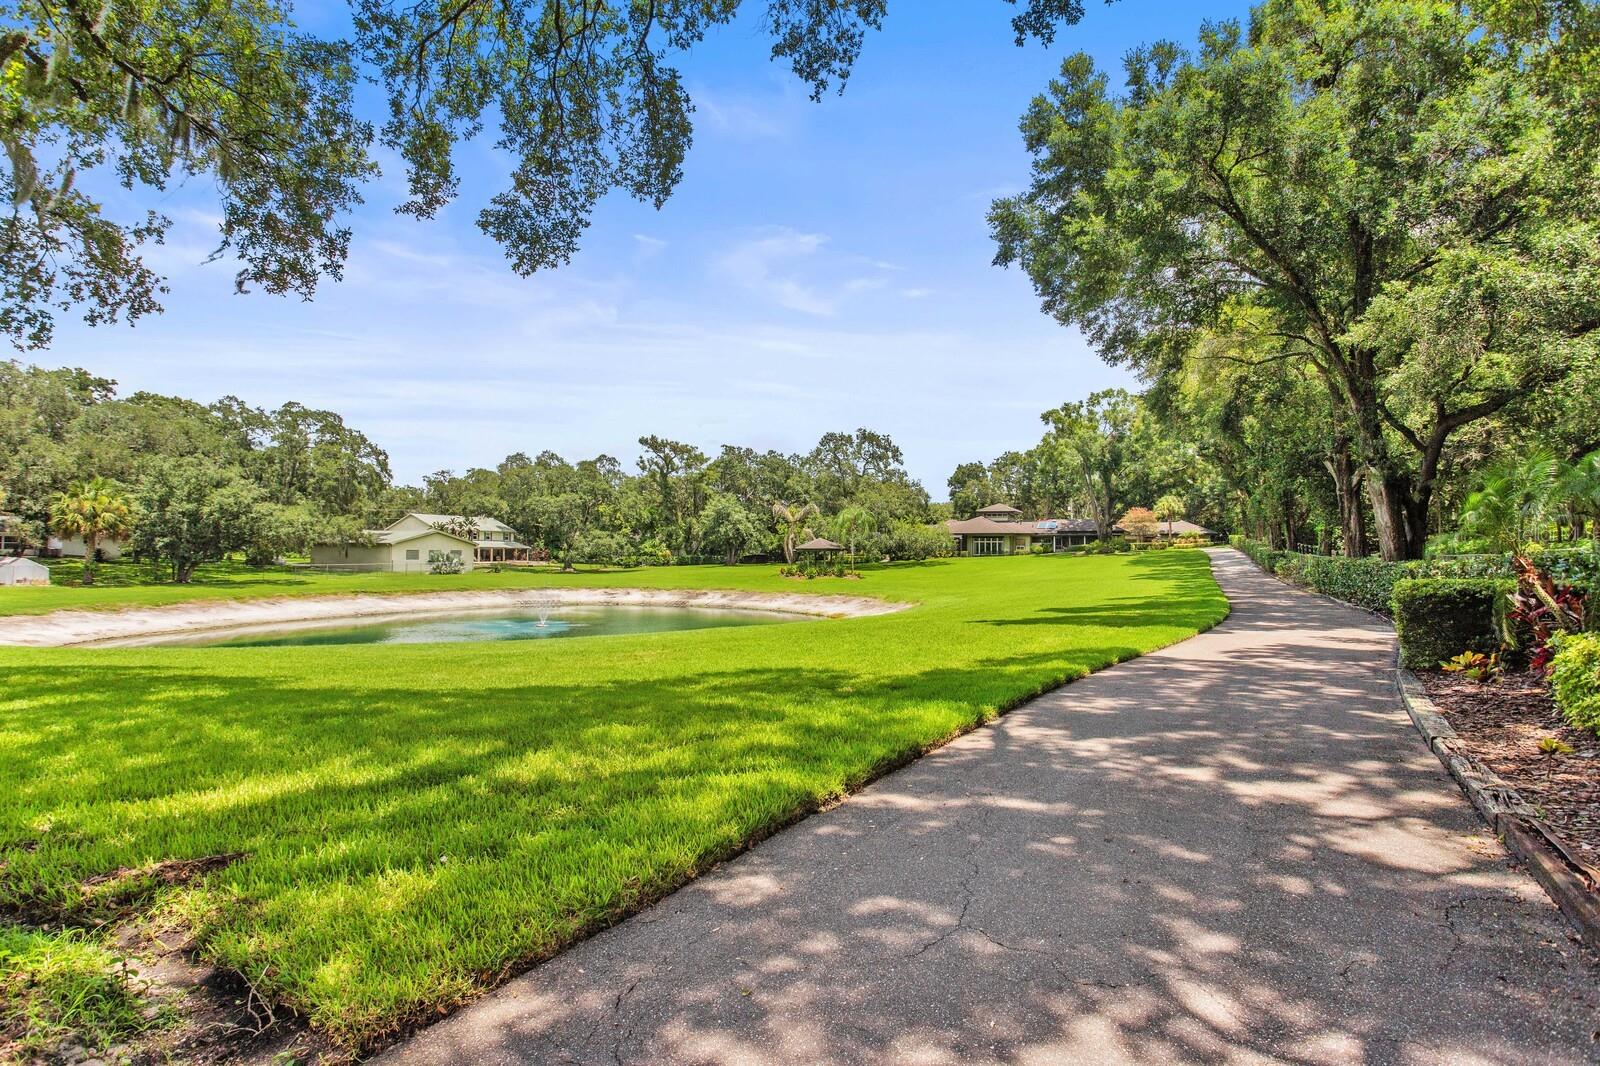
[
  {"x": 1573, "y": 886},
  {"x": 136, "y": 625}
]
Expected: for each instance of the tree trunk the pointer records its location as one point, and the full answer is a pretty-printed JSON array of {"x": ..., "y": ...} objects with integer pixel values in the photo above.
[
  {"x": 1388, "y": 488},
  {"x": 1389, "y": 497},
  {"x": 90, "y": 543},
  {"x": 1346, "y": 474}
]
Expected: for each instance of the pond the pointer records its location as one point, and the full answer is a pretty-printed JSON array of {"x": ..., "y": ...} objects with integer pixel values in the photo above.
[{"x": 472, "y": 627}]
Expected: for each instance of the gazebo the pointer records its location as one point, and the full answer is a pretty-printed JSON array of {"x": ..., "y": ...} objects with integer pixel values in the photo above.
[{"x": 819, "y": 546}]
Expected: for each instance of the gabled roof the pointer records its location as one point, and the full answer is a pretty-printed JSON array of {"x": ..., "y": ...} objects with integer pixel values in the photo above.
[
  {"x": 482, "y": 521},
  {"x": 998, "y": 508},
  {"x": 988, "y": 527},
  {"x": 18, "y": 560},
  {"x": 1180, "y": 526},
  {"x": 389, "y": 536}
]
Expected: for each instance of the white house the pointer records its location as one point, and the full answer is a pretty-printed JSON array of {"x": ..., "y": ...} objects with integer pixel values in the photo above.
[
  {"x": 110, "y": 548},
  {"x": 15, "y": 570},
  {"x": 415, "y": 541},
  {"x": 496, "y": 542}
]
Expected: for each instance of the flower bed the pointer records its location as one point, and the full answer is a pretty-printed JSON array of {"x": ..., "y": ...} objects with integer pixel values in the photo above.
[{"x": 1513, "y": 727}]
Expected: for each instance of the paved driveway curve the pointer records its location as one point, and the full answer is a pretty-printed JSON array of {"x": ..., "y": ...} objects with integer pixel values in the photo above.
[{"x": 1234, "y": 850}]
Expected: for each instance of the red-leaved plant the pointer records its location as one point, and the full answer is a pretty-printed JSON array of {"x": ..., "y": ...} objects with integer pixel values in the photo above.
[{"x": 1545, "y": 608}]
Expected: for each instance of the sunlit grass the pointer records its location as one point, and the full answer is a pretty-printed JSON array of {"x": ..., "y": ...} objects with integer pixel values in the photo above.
[
  {"x": 417, "y": 820},
  {"x": 64, "y": 985}
]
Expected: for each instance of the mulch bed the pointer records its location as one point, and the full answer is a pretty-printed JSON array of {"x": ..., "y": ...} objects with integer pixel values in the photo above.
[{"x": 1502, "y": 723}]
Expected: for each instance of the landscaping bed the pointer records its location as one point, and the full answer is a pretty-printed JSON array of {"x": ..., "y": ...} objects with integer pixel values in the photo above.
[{"x": 1502, "y": 724}]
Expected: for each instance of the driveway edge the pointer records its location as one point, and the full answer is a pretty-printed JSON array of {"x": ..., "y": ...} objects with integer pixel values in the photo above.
[{"x": 1573, "y": 886}]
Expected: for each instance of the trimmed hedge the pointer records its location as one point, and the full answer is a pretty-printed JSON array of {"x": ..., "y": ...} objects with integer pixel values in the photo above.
[
  {"x": 1366, "y": 582},
  {"x": 1575, "y": 680},
  {"x": 1438, "y": 618}
]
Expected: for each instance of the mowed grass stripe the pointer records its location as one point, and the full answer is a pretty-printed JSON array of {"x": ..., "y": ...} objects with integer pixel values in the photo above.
[{"x": 420, "y": 820}]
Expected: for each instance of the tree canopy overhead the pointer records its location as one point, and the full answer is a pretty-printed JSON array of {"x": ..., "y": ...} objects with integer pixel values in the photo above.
[
  {"x": 1372, "y": 190},
  {"x": 583, "y": 92}
]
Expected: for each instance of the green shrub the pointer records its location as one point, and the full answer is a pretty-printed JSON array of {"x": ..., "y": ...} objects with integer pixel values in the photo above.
[
  {"x": 1263, "y": 556},
  {"x": 1517, "y": 638},
  {"x": 1575, "y": 680},
  {"x": 1438, "y": 618},
  {"x": 1367, "y": 582}
]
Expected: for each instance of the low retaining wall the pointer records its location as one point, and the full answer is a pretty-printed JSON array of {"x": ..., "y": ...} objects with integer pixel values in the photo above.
[
  {"x": 1569, "y": 881},
  {"x": 69, "y": 628}
]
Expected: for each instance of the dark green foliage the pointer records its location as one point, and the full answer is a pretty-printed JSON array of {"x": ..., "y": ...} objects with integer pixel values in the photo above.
[
  {"x": 1517, "y": 640},
  {"x": 1575, "y": 680},
  {"x": 1438, "y": 618},
  {"x": 1366, "y": 582}
]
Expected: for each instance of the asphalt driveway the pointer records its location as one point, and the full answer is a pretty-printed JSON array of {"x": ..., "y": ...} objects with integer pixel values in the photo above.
[{"x": 1233, "y": 850}]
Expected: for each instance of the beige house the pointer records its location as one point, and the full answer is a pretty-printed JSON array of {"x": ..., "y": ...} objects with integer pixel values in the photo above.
[
  {"x": 414, "y": 542},
  {"x": 999, "y": 529},
  {"x": 495, "y": 541}
]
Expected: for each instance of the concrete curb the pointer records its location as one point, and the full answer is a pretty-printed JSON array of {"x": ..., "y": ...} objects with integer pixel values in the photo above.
[{"x": 1573, "y": 885}]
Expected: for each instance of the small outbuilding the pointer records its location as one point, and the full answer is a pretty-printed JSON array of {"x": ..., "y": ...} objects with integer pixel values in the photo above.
[{"x": 16, "y": 570}]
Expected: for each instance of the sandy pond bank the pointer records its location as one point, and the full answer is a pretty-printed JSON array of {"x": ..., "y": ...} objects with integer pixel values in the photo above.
[{"x": 68, "y": 627}]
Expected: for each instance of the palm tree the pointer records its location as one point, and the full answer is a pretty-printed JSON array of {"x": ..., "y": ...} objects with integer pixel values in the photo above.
[
  {"x": 1169, "y": 509},
  {"x": 93, "y": 510},
  {"x": 850, "y": 524},
  {"x": 791, "y": 520},
  {"x": 1515, "y": 501},
  {"x": 1579, "y": 489}
]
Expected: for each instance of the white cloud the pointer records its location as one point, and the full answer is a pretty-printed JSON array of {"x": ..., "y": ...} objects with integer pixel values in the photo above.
[
  {"x": 647, "y": 247},
  {"x": 739, "y": 117},
  {"x": 765, "y": 265},
  {"x": 794, "y": 270}
]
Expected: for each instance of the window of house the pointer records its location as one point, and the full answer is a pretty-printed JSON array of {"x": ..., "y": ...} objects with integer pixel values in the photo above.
[
  {"x": 412, "y": 555},
  {"x": 988, "y": 545}
]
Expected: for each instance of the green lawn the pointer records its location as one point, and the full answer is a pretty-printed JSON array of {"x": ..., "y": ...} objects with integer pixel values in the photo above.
[
  {"x": 133, "y": 585},
  {"x": 418, "y": 820}
]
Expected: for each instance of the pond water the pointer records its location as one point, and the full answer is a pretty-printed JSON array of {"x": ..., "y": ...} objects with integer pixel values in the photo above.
[{"x": 479, "y": 626}]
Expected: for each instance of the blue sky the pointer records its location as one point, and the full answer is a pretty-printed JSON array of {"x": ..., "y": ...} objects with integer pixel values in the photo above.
[{"x": 822, "y": 266}]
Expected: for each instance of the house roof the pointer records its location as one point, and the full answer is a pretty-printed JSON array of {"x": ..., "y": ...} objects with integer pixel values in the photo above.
[
  {"x": 482, "y": 521},
  {"x": 986, "y": 527},
  {"x": 389, "y": 536},
  {"x": 819, "y": 544},
  {"x": 1045, "y": 527},
  {"x": 1180, "y": 526},
  {"x": 998, "y": 508}
]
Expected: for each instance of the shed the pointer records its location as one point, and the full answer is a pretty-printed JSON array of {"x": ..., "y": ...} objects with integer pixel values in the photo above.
[{"x": 19, "y": 571}]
